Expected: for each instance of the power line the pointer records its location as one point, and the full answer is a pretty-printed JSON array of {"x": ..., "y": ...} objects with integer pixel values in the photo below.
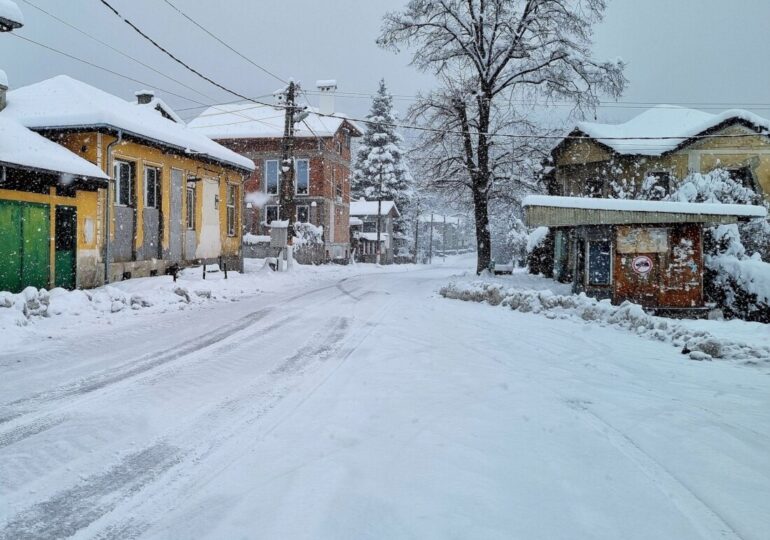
[
  {"x": 97, "y": 40},
  {"x": 171, "y": 55},
  {"x": 108, "y": 70},
  {"x": 250, "y": 61}
]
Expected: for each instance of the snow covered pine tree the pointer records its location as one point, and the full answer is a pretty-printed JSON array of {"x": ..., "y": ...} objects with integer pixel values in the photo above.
[
  {"x": 379, "y": 171},
  {"x": 484, "y": 52}
]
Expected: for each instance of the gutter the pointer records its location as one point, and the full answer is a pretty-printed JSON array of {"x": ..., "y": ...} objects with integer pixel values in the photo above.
[{"x": 108, "y": 206}]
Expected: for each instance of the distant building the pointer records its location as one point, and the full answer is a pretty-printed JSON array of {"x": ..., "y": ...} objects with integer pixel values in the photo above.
[
  {"x": 663, "y": 144},
  {"x": 174, "y": 197},
  {"x": 364, "y": 216},
  {"x": 322, "y": 163}
]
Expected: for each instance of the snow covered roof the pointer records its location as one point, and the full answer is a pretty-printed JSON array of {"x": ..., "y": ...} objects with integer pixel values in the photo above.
[
  {"x": 10, "y": 16},
  {"x": 372, "y": 236},
  {"x": 638, "y": 135},
  {"x": 566, "y": 211},
  {"x": 3, "y": 79},
  {"x": 251, "y": 121},
  {"x": 363, "y": 207},
  {"x": 65, "y": 103},
  {"x": 354, "y": 221},
  {"x": 25, "y": 148}
]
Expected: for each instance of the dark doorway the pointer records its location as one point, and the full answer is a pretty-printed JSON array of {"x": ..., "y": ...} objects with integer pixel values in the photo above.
[{"x": 66, "y": 247}]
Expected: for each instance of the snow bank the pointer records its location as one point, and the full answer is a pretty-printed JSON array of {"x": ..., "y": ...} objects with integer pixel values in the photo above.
[
  {"x": 699, "y": 344},
  {"x": 254, "y": 239}
]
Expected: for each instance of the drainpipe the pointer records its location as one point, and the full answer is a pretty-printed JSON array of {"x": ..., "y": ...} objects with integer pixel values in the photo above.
[
  {"x": 107, "y": 212},
  {"x": 241, "y": 208}
]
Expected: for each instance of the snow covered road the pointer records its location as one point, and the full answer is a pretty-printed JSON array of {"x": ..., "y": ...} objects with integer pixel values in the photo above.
[{"x": 369, "y": 407}]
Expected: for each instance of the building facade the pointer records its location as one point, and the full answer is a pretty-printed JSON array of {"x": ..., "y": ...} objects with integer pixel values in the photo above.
[
  {"x": 662, "y": 145},
  {"x": 322, "y": 161},
  {"x": 174, "y": 197}
]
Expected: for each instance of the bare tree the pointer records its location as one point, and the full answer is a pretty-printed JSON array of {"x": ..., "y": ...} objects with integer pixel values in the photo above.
[{"x": 486, "y": 53}]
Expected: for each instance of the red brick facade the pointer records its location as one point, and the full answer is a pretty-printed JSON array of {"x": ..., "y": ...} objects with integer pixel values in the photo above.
[{"x": 329, "y": 160}]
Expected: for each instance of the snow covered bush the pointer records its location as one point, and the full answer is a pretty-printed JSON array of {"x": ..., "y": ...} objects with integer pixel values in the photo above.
[
  {"x": 736, "y": 278},
  {"x": 307, "y": 233}
]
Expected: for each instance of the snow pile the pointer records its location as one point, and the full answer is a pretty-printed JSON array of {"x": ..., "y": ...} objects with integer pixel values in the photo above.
[
  {"x": 699, "y": 344},
  {"x": 33, "y": 302},
  {"x": 254, "y": 239}
]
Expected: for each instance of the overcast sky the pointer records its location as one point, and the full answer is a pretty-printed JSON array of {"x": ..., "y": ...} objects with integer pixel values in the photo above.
[{"x": 705, "y": 53}]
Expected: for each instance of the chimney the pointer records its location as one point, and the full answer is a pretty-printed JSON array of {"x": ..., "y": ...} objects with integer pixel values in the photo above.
[
  {"x": 326, "y": 99},
  {"x": 144, "y": 97},
  {"x": 3, "y": 88}
]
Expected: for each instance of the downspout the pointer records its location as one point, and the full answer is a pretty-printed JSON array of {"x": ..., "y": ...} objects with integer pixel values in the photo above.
[
  {"x": 107, "y": 212},
  {"x": 242, "y": 209}
]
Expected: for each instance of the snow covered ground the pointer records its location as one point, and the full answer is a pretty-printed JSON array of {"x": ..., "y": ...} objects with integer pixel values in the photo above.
[{"x": 358, "y": 403}]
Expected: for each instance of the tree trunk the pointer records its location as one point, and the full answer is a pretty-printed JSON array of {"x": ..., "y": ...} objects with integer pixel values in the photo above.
[{"x": 483, "y": 237}]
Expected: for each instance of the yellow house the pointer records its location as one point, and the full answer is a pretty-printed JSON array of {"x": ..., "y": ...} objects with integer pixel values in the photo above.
[
  {"x": 666, "y": 143},
  {"x": 48, "y": 211},
  {"x": 174, "y": 196}
]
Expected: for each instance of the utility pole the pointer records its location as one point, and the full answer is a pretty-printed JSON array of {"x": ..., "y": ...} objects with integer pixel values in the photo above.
[
  {"x": 444, "y": 240},
  {"x": 430, "y": 247},
  {"x": 417, "y": 234},
  {"x": 379, "y": 217},
  {"x": 287, "y": 203}
]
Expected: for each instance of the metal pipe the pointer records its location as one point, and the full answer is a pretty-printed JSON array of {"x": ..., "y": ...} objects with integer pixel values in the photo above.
[{"x": 108, "y": 205}]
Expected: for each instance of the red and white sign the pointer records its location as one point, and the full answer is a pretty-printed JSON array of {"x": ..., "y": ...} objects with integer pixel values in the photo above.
[{"x": 642, "y": 264}]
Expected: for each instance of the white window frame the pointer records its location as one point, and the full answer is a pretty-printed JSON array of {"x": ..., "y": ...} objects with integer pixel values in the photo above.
[
  {"x": 296, "y": 179},
  {"x": 116, "y": 167},
  {"x": 277, "y": 213},
  {"x": 307, "y": 207},
  {"x": 278, "y": 177},
  {"x": 156, "y": 182},
  {"x": 230, "y": 204},
  {"x": 191, "y": 197}
]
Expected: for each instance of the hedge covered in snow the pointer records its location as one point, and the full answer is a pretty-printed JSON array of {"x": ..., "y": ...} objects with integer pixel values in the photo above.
[{"x": 700, "y": 345}]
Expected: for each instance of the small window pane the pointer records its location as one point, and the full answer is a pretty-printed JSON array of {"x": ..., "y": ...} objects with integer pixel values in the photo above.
[
  {"x": 303, "y": 176},
  {"x": 271, "y": 214},
  {"x": 303, "y": 214},
  {"x": 599, "y": 263},
  {"x": 271, "y": 176},
  {"x": 191, "y": 208}
]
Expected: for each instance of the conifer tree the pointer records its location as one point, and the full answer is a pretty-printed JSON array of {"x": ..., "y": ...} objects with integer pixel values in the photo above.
[{"x": 379, "y": 170}]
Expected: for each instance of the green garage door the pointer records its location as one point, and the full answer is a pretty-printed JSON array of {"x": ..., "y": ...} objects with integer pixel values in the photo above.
[{"x": 24, "y": 245}]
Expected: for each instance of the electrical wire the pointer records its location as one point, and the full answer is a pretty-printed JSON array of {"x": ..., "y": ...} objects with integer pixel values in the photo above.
[{"x": 250, "y": 61}]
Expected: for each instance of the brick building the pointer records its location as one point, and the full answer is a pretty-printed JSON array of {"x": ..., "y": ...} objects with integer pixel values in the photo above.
[{"x": 322, "y": 163}]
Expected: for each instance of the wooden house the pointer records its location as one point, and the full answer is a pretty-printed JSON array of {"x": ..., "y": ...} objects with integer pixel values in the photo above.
[
  {"x": 364, "y": 236},
  {"x": 664, "y": 144},
  {"x": 646, "y": 252},
  {"x": 174, "y": 196}
]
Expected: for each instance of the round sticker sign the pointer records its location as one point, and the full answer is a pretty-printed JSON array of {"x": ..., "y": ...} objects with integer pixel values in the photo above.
[{"x": 642, "y": 264}]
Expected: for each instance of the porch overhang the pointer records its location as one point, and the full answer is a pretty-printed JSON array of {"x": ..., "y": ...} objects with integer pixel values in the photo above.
[{"x": 550, "y": 211}]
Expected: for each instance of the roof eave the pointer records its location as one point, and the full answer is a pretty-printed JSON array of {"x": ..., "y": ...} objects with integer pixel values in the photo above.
[
  {"x": 8, "y": 164},
  {"x": 113, "y": 129}
]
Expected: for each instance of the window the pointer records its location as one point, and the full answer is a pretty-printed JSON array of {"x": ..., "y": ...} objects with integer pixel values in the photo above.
[
  {"x": 347, "y": 139},
  {"x": 271, "y": 176},
  {"x": 231, "y": 191},
  {"x": 124, "y": 179},
  {"x": 303, "y": 176},
  {"x": 271, "y": 213},
  {"x": 370, "y": 226},
  {"x": 744, "y": 177},
  {"x": 303, "y": 213},
  {"x": 152, "y": 187},
  {"x": 190, "y": 209},
  {"x": 339, "y": 147},
  {"x": 599, "y": 262}
]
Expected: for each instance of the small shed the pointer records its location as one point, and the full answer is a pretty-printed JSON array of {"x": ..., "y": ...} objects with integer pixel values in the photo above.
[{"x": 648, "y": 252}]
